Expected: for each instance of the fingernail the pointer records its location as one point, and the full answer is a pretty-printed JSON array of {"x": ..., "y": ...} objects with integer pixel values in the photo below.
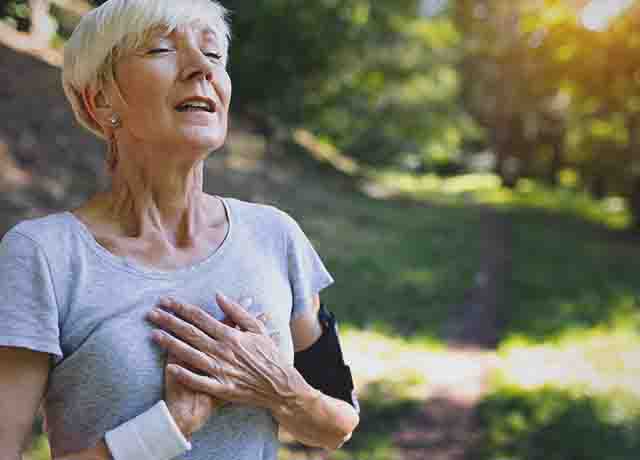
[
  {"x": 153, "y": 314},
  {"x": 157, "y": 335},
  {"x": 166, "y": 301},
  {"x": 223, "y": 297},
  {"x": 173, "y": 369}
]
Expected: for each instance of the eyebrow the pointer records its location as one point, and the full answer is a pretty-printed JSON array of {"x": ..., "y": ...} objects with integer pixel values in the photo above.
[{"x": 208, "y": 34}]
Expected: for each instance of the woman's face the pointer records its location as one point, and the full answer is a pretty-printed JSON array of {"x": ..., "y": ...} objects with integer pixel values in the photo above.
[{"x": 177, "y": 91}]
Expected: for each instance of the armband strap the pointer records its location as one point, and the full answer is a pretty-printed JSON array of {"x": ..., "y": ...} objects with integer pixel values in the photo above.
[
  {"x": 322, "y": 364},
  {"x": 152, "y": 435}
]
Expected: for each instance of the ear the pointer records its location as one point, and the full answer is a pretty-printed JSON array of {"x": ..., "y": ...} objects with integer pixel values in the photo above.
[{"x": 98, "y": 107}]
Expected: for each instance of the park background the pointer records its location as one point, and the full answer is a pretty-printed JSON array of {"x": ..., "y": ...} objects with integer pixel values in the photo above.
[{"x": 470, "y": 173}]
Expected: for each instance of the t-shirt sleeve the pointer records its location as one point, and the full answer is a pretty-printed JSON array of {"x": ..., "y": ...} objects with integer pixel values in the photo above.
[
  {"x": 28, "y": 305},
  {"x": 307, "y": 273}
]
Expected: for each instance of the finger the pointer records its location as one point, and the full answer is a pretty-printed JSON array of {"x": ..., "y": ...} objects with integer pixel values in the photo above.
[
  {"x": 180, "y": 328},
  {"x": 217, "y": 389},
  {"x": 171, "y": 359},
  {"x": 239, "y": 315},
  {"x": 198, "y": 383},
  {"x": 263, "y": 318},
  {"x": 183, "y": 353},
  {"x": 198, "y": 317}
]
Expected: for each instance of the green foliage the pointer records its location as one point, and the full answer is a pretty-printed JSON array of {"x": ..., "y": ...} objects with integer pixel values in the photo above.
[
  {"x": 39, "y": 449},
  {"x": 551, "y": 424},
  {"x": 373, "y": 78},
  {"x": 280, "y": 47},
  {"x": 398, "y": 99},
  {"x": 552, "y": 94},
  {"x": 15, "y": 12}
]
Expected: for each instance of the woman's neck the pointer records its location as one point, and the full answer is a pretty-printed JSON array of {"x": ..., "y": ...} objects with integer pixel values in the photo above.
[{"x": 159, "y": 201}]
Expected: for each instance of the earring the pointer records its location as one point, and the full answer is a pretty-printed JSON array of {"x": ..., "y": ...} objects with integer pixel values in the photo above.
[
  {"x": 112, "y": 153},
  {"x": 115, "y": 121}
]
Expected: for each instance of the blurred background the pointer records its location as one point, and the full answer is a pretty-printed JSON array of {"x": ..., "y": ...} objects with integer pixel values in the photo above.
[{"x": 469, "y": 171}]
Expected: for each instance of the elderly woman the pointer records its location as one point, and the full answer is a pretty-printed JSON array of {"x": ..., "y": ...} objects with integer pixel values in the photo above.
[{"x": 157, "y": 321}]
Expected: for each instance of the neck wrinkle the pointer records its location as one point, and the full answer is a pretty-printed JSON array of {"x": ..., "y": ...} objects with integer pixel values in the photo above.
[{"x": 149, "y": 202}]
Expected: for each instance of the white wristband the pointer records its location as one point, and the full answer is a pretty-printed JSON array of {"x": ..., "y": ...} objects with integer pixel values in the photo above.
[{"x": 152, "y": 435}]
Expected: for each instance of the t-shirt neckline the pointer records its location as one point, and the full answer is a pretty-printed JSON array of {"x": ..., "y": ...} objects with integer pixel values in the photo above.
[{"x": 138, "y": 268}]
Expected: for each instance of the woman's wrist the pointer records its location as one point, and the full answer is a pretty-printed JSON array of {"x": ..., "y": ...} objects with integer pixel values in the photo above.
[
  {"x": 295, "y": 397},
  {"x": 180, "y": 423},
  {"x": 153, "y": 435},
  {"x": 316, "y": 419}
]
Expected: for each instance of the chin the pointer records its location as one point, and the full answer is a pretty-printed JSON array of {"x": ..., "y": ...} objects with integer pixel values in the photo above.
[{"x": 208, "y": 140}]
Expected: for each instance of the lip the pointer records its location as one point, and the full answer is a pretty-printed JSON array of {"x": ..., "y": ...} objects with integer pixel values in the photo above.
[{"x": 210, "y": 102}]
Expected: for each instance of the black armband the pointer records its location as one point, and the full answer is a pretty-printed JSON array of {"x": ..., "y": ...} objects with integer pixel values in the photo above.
[{"x": 322, "y": 364}]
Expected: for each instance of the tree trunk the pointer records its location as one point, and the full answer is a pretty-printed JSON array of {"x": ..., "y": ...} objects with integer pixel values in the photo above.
[
  {"x": 634, "y": 204},
  {"x": 557, "y": 160},
  {"x": 502, "y": 148},
  {"x": 598, "y": 186},
  {"x": 633, "y": 123}
]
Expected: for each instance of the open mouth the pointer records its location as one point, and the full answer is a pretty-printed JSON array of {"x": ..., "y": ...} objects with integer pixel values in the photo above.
[{"x": 196, "y": 105}]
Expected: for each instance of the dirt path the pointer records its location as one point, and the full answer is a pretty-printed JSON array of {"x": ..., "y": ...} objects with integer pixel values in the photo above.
[{"x": 445, "y": 429}]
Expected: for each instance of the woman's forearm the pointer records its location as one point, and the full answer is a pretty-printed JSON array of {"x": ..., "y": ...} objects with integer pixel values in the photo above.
[{"x": 312, "y": 417}]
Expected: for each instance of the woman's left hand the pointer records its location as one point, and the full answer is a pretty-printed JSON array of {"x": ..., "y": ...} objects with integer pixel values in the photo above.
[{"x": 240, "y": 364}]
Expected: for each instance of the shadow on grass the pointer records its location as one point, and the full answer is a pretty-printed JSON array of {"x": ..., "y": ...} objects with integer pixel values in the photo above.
[
  {"x": 551, "y": 424},
  {"x": 568, "y": 274},
  {"x": 399, "y": 266}
]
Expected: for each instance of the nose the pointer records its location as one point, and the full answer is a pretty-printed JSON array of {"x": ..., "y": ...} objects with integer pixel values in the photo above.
[{"x": 197, "y": 66}]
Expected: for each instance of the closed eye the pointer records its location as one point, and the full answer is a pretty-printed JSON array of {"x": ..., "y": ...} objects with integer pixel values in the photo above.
[
  {"x": 215, "y": 56},
  {"x": 159, "y": 50},
  {"x": 211, "y": 55}
]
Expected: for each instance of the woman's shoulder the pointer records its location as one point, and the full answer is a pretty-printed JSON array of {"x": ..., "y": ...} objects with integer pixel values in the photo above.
[
  {"x": 46, "y": 231},
  {"x": 265, "y": 215}
]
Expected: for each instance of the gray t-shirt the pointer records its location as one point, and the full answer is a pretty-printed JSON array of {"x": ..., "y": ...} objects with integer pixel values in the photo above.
[{"x": 64, "y": 294}]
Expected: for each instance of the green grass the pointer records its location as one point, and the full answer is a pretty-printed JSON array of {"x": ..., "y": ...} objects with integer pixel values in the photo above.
[
  {"x": 602, "y": 361},
  {"x": 552, "y": 424},
  {"x": 399, "y": 266},
  {"x": 567, "y": 276},
  {"x": 611, "y": 212},
  {"x": 571, "y": 267},
  {"x": 568, "y": 383}
]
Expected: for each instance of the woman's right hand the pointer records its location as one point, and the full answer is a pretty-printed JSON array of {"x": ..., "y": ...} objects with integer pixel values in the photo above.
[{"x": 189, "y": 409}]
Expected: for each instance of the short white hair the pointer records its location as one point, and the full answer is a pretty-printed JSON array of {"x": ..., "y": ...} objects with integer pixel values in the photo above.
[{"x": 118, "y": 27}]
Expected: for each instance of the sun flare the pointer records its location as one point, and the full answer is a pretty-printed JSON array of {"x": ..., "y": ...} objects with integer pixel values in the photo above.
[{"x": 598, "y": 13}]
